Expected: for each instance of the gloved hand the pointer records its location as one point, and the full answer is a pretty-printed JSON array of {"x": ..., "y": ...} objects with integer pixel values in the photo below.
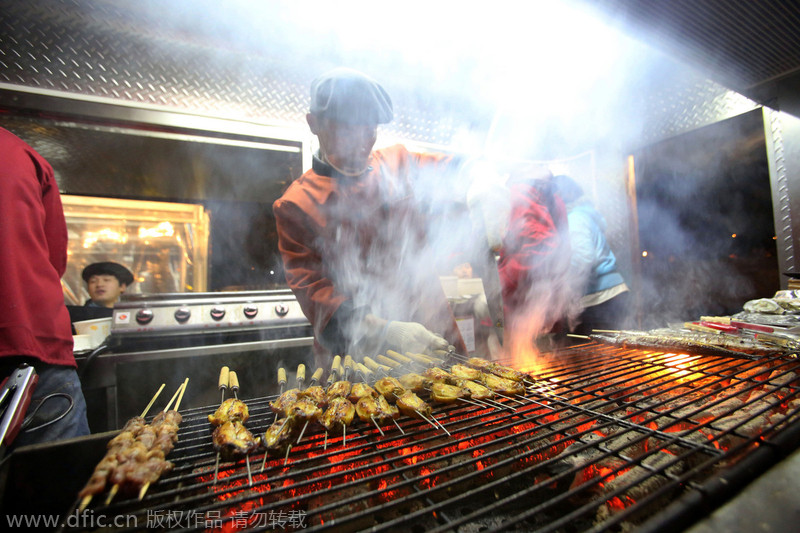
[
  {"x": 412, "y": 337},
  {"x": 489, "y": 202}
]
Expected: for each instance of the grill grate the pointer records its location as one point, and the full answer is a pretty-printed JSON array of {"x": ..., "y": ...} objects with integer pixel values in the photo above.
[{"x": 604, "y": 440}]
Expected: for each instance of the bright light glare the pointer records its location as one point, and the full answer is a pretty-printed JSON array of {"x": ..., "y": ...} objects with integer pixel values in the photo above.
[
  {"x": 162, "y": 229},
  {"x": 515, "y": 51},
  {"x": 105, "y": 234}
]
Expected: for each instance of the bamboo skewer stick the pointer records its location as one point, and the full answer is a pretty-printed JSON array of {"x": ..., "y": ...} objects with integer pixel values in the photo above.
[
  {"x": 174, "y": 397},
  {"x": 155, "y": 396},
  {"x": 143, "y": 489},
  {"x": 183, "y": 389}
]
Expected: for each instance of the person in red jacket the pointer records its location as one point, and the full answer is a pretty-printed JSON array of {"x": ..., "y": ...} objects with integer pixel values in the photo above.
[
  {"x": 354, "y": 231},
  {"x": 526, "y": 225},
  {"x": 34, "y": 323},
  {"x": 534, "y": 260}
]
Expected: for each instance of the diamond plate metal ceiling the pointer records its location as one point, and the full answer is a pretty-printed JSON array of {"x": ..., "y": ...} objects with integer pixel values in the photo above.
[{"x": 752, "y": 47}]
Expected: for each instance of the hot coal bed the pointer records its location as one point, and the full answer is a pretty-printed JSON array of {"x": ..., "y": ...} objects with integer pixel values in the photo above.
[{"x": 605, "y": 439}]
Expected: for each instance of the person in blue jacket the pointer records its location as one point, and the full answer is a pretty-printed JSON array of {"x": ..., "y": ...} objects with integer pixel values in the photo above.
[{"x": 605, "y": 300}]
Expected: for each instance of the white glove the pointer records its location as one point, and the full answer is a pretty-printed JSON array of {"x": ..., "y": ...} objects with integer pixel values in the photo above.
[
  {"x": 412, "y": 337},
  {"x": 489, "y": 202}
]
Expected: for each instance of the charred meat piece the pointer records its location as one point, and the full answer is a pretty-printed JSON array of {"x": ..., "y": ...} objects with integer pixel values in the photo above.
[
  {"x": 376, "y": 410},
  {"x": 338, "y": 388},
  {"x": 339, "y": 414},
  {"x": 387, "y": 410},
  {"x": 465, "y": 372},
  {"x": 304, "y": 410},
  {"x": 437, "y": 375},
  {"x": 502, "y": 385},
  {"x": 359, "y": 390},
  {"x": 412, "y": 405},
  {"x": 414, "y": 382},
  {"x": 280, "y": 435},
  {"x": 231, "y": 410},
  {"x": 444, "y": 393},
  {"x": 389, "y": 387},
  {"x": 505, "y": 372},
  {"x": 283, "y": 402},
  {"x": 315, "y": 394},
  {"x": 232, "y": 440},
  {"x": 476, "y": 390}
]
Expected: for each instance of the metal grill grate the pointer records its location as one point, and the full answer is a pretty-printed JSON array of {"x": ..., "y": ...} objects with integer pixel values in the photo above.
[{"x": 604, "y": 440}]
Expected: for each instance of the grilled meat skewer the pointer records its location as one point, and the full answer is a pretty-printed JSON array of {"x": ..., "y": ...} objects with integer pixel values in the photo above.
[
  {"x": 230, "y": 410},
  {"x": 389, "y": 387}
]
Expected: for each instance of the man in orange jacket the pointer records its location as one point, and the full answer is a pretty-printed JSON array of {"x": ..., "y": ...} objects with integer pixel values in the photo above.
[{"x": 355, "y": 230}]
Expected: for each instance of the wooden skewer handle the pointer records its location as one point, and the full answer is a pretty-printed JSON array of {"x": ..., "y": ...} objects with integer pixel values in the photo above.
[
  {"x": 387, "y": 361},
  {"x": 397, "y": 357},
  {"x": 348, "y": 362},
  {"x": 372, "y": 365},
  {"x": 281, "y": 376},
  {"x": 337, "y": 361},
  {"x": 301, "y": 373},
  {"x": 316, "y": 377},
  {"x": 233, "y": 381},
  {"x": 224, "y": 372},
  {"x": 366, "y": 372}
]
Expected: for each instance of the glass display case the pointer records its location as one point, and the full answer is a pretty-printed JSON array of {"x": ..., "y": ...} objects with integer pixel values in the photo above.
[{"x": 164, "y": 244}]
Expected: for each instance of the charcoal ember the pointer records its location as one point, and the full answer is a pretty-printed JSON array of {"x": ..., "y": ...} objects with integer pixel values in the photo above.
[
  {"x": 782, "y": 380},
  {"x": 678, "y": 443},
  {"x": 639, "y": 481},
  {"x": 680, "y": 416},
  {"x": 746, "y": 422},
  {"x": 722, "y": 409},
  {"x": 625, "y": 441}
]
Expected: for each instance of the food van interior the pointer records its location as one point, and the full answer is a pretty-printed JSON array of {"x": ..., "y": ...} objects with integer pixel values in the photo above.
[{"x": 120, "y": 97}]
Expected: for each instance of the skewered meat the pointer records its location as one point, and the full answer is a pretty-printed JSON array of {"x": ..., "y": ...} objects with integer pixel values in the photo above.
[
  {"x": 476, "y": 390},
  {"x": 376, "y": 409},
  {"x": 340, "y": 413},
  {"x": 280, "y": 435},
  {"x": 233, "y": 440},
  {"x": 136, "y": 456},
  {"x": 412, "y": 405},
  {"x": 229, "y": 411},
  {"x": 465, "y": 372},
  {"x": 444, "y": 393},
  {"x": 359, "y": 390},
  {"x": 502, "y": 385},
  {"x": 338, "y": 388},
  {"x": 487, "y": 367},
  {"x": 437, "y": 375},
  {"x": 315, "y": 394},
  {"x": 387, "y": 410},
  {"x": 304, "y": 410},
  {"x": 389, "y": 388},
  {"x": 283, "y": 401},
  {"x": 414, "y": 382},
  {"x": 666, "y": 339}
]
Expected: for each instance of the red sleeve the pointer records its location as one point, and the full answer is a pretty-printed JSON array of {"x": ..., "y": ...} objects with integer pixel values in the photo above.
[
  {"x": 303, "y": 265},
  {"x": 33, "y": 253},
  {"x": 531, "y": 241}
]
